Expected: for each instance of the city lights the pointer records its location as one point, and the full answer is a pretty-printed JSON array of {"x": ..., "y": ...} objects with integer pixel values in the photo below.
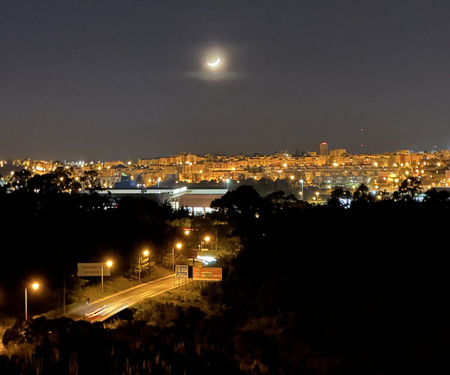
[{"x": 314, "y": 170}]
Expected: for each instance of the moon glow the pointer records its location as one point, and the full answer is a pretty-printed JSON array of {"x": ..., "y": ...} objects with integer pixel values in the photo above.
[{"x": 214, "y": 64}]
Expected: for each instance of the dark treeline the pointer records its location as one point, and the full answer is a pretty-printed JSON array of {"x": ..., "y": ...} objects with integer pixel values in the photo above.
[
  {"x": 343, "y": 291},
  {"x": 314, "y": 290}
]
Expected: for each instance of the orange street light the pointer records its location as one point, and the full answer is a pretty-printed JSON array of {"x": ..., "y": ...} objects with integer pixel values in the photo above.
[
  {"x": 109, "y": 264},
  {"x": 145, "y": 253},
  {"x": 178, "y": 245},
  {"x": 34, "y": 286},
  {"x": 205, "y": 239}
]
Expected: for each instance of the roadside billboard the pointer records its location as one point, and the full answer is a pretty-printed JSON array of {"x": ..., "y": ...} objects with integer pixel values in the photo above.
[
  {"x": 207, "y": 273},
  {"x": 92, "y": 269}
]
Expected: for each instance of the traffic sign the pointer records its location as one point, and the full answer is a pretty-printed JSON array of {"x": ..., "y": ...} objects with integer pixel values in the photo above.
[
  {"x": 92, "y": 269},
  {"x": 181, "y": 271}
]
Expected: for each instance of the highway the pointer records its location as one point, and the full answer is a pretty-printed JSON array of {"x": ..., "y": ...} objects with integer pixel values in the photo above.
[{"x": 104, "y": 308}]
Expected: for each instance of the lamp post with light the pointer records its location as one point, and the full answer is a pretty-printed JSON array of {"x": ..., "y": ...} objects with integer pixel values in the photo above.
[
  {"x": 301, "y": 182},
  {"x": 34, "y": 286},
  {"x": 145, "y": 253},
  {"x": 178, "y": 245},
  {"x": 109, "y": 264},
  {"x": 205, "y": 239}
]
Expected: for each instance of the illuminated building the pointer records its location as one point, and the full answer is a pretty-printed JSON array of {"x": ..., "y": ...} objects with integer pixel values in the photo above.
[{"x": 324, "y": 148}]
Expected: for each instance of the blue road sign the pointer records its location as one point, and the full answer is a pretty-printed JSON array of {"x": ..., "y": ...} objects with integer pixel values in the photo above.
[{"x": 181, "y": 271}]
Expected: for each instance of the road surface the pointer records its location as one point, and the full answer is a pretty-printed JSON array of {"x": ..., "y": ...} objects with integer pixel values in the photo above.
[{"x": 102, "y": 309}]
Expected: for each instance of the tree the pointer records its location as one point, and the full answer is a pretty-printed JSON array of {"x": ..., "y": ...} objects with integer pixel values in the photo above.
[
  {"x": 243, "y": 201},
  {"x": 436, "y": 198},
  {"x": 19, "y": 180},
  {"x": 90, "y": 181},
  {"x": 362, "y": 196},
  {"x": 337, "y": 195},
  {"x": 2, "y": 185},
  {"x": 279, "y": 200},
  {"x": 57, "y": 182},
  {"x": 408, "y": 189}
]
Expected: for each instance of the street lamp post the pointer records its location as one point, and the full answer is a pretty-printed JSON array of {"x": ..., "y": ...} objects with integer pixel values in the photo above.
[
  {"x": 178, "y": 245},
  {"x": 109, "y": 264},
  {"x": 35, "y": 286},
  {"x": 145, "y": 253},
  {"x": 301, "y": 182},
  {"x": 205, "y": 239},
  {"x": 26, "y": 304}
]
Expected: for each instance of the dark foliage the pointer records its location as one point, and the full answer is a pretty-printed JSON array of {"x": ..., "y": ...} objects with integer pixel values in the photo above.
[
  {"x": 315, "y": 290},
  {"x": 44, "y": 235},
  {"x": 352, "y": 291}
]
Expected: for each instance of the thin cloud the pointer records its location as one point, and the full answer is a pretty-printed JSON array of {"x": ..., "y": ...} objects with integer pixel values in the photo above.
[{"x": 213, "y": 76}]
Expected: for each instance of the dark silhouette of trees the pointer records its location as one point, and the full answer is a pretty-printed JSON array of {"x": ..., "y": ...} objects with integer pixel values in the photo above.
[
  {"x": 90, "y": 181},
  {"x": 408, "y": 189},
  {"x": 437, "y": 199},
  {"x": 19, "y": 180},
  {"x": 57, "y": 181},
  {"x": 351, "y": 295},
  {"x": 313, "y": 290},
  {"x": 243, "y": 202},
  {"x": 265, "y": 186},
  {"x": 362, "y": 195},
  {"x": 336, "y": 196}
]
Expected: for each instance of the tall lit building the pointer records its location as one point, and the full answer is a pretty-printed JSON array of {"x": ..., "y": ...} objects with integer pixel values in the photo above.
[{"x": 324, "y": 148}]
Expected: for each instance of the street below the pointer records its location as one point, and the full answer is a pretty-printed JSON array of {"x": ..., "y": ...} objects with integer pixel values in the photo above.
[{"x": 102, "y": 309}]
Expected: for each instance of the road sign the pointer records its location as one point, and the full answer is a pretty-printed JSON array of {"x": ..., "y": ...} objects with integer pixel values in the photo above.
[
  {"x": 92, "y": 269},
  {"x": 181, "y": 272},
  {"x": 207, "y": 273}
]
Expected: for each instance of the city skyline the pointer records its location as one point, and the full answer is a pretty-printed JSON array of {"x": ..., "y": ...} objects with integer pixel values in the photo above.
[
  {"x": 290, "y": 153},
  {"x": 325, "y": 169},
  {"x": 114, "y": 80}
]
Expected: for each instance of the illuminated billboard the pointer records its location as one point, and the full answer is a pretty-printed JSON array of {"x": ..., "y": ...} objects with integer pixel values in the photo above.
[{"x": 207, "y": 273}]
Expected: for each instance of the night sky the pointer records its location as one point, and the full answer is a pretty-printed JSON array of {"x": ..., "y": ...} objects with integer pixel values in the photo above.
[{"x": 108, "y": 80}]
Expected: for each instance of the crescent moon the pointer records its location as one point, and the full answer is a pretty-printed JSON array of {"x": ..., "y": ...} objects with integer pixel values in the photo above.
[{"x": 214, "y": 64}]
